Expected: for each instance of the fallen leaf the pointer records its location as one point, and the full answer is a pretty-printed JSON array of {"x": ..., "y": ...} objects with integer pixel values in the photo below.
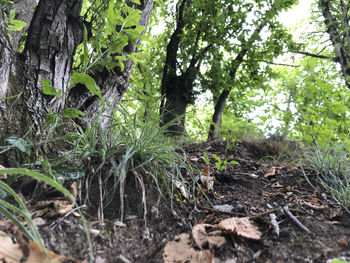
[
  {"x": 11, "y": 252},
  {"x": 208, "y": 182},
  {"x": 52, "y": 208},
  {"x": 182, "y": 189},
  {"x": 277, "y": 185},
  {"x": 206, "y": 170},
  {"x": 270, "y": 172},
  {"x": 2, "y": 176},
  {"x": 343, "y": 242},
  {"x": 57, "y": 206},
  {"x": 335, "y": 213},
  {"x": 241, "y": 227},
  {"x": 193, "y": 158},
  {"x": 182, "y": 244},
  {"x": 204, "y": 239}
]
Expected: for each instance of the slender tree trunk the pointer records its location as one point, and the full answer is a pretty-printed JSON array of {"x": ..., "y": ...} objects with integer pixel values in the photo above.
[
  {"x": 236, "y": 63},
  {"x": 217, "y": 116}
]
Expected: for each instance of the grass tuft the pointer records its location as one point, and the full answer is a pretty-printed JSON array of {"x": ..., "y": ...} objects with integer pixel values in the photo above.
[{"x": 332, "y": 162}]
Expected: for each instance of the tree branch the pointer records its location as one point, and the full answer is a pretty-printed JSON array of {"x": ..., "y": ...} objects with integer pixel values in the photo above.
[
  {"x": 273, "y": 63},
  {"x": 313, "y": 55}
]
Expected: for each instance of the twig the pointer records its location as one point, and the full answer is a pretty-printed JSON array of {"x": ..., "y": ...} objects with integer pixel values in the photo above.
[
  {"x": 275, "y": 224},
  {"x": 264, "y": 213},
  {"x": 295, "y": 220},
  {"x": 58, "y": 221}
]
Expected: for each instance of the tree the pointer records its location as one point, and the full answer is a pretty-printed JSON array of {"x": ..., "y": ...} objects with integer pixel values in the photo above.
[
  {"x": 37, "y": 62},
  {"x": 271, "y": 47},
  {"x": 336, "y": 20}
]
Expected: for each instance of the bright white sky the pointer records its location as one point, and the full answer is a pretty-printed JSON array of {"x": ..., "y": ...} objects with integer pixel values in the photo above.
[{"x": 296, "y": 14}]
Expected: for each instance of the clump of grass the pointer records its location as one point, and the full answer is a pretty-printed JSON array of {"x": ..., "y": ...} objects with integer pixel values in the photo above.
[
  {"x": 129, "y": 146},
  {"x": 332, "y": 162}
]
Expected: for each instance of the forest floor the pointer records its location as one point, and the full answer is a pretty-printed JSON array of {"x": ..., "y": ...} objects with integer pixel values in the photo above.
[{"x": 258, "y": 189}]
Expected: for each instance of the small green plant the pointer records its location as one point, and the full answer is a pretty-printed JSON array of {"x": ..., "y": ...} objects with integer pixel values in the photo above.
[
  {"x": 219, "y": 163},
  {"x": 332, "y": 163},
  {"x": 206, "y": 158},
  {"x": 222, "y": 164}
]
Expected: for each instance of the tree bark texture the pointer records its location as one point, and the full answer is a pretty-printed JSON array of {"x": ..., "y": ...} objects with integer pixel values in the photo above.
[
  {"x": 54, "y": 30},
  {"x": 337, "y": 25}
]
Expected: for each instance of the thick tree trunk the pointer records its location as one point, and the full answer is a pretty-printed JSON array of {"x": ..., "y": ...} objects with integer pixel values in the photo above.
[
  {"x": 174, "y": 109},
  {"x": 54, "y": 31}
]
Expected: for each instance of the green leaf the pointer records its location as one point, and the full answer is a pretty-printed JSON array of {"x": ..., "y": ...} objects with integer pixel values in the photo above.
[
  {"x": 138, "y": 2},
  {"x": 48, "y": 88},
  {"x": 133, "y": 18},
  {"x": 206, "y": 158},
  {"x": 89, "y": 83},
  {"x": 340, "y": 108},
  {"x": 20, "y": 144},
  {"x": 17, "y": 25},
  {"x": 71, "y": 113}
]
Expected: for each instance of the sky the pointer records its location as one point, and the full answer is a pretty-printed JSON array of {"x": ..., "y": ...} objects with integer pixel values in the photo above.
[{"x": 296, "y": 14}]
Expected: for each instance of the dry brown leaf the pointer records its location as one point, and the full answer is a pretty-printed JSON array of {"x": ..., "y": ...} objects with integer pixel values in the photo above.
[
  {"x": 182, "y": 189},
  {"x": 241, "y": 227},
  {"x": 204, "y": 239},
  {"x": 343, "y": 242},
  {"x": 74, "y": 189},
  {"x": 11, "y": 252},
  {"x": 2, "y": 176},
  {"x": 52, "y": 208},
  {"x": 187, "y": 253},
  {"x": 277, "y": 185},
  {"x": 206, "y": 171},
  {"x": 208, "y": 182},
  {"x": 270, "y": 172},
  {"x": 335, "y": 213}
]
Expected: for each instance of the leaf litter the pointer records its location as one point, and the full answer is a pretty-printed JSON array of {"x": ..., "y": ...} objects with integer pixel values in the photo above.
[{"x": 254, "y": 227}]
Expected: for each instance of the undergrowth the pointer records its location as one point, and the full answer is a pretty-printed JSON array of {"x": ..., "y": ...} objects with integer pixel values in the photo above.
[
  {"x": 332, "y": 163},
  {"x": 128, "y": 146}
]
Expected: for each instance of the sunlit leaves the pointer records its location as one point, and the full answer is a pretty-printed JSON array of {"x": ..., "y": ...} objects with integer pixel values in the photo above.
[{"x": 115, "y": 25}]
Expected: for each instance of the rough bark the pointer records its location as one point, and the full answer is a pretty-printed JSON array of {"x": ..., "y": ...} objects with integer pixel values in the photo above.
[
  {"x": 54, "y": 29},
  {"x": 340, "y": 41}
]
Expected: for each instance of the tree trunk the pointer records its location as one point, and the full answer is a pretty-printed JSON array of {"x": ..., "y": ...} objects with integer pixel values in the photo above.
[
  {"x": 54, "y": 29},
  {"x": 174, "y": 109},
  {"x": 236, "y": 63},
  {"x": 340, "y": 41},
  {"x": 217, "y": 116}
]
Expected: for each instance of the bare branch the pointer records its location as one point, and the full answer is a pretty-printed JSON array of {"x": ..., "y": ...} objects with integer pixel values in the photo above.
[
  {"x": 313, "y": 55},
  {"x": 274, "y": 63}
]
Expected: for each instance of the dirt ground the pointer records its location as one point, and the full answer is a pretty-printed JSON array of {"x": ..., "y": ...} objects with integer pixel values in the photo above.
[{"x": 260, "y": 185}]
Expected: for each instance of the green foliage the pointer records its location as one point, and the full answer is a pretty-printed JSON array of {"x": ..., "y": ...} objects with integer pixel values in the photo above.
[
  {"x": 222, "y": 164},
  {"x": 32, "y": 233},
  {"x": 206, "y": 158},
  {"x": 130, "y": 148},
  {"x": 332, "y": 162},
  {"x": 113, "y": 25}
]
